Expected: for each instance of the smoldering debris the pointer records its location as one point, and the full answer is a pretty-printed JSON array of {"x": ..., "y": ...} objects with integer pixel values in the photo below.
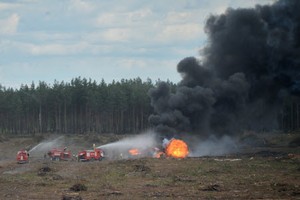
[{"x": 250, "y": 65}]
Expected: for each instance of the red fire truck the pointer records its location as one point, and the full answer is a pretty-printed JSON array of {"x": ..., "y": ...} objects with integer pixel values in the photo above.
[
  {"x": 22, "y": 156},
  {"x": 90, "y": 155},
  {"x": 59, "y": 154}
]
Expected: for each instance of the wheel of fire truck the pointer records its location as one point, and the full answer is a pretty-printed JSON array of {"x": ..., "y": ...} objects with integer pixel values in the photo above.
[
  {"x": 92, "y": 159},
  {"x": 55, "y": 159}
]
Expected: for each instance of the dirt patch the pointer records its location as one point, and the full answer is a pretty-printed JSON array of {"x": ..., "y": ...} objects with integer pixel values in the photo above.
[
  {"x": 78, "y": 187},
  {"x": 286, "y": 188},
  {"x": 3, "y": 138},
  {"x": 141, "y": 168},
  {"x": 57, "y": 177},
  {"x": 43, "y": 171},
  {"x": 184, "y": 179},
  {"x": 295, "y": 142},
  {"x": 212, "y": 187},
  {"x": 112, "y": 193},
  {"x": 270, "y": 154},
  {"x": 71, "y": 197}
]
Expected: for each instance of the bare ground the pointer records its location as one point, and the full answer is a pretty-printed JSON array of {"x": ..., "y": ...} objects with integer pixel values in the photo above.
[{"x": 271, "y": 172}]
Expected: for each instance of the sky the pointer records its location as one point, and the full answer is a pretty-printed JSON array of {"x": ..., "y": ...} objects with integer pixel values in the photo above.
[{"x": 47, "y": 40}]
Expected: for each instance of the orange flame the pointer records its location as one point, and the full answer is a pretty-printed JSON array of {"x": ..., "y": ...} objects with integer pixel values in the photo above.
[
  {"x": 134, "y": 152},
  {"x": 177, "y": 149}
]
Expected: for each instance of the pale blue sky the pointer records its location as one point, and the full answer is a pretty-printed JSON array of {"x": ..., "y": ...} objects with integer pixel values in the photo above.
[{"x": 110, "y": 39}]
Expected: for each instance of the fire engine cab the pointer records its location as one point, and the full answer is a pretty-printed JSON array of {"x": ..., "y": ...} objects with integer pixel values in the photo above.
[
  {"x": 59, "y": 154},
  {"x": 22, "y": 156},
  {"x": 90, "y": 155}
]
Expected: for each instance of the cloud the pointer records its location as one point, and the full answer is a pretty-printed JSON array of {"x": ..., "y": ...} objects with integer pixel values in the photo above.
[
  {"x": 81, "y": 6},
  {"x": 9, "y": 25},
  {"x": 124, "y": 19},
  {"x": 182, "y": 32},
  {"x": 146, "y": 26},
  {"x": 44, "y": 49},
  {"x": 116, "y": 35},
  {"x": 130, "y": 64},
  {"x": 44, "y": 36},
  {"x": 56, "y": 49},
  {"x": 173, "y": 17},
  {"x": 8, "y": 6}
]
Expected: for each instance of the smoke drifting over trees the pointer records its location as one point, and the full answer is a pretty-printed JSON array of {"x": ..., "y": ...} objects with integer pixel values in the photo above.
[{"x": 250, "y": 65}]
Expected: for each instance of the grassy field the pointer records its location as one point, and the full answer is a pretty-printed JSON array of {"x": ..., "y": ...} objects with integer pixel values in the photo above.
[{"x": 272, "y": 172}]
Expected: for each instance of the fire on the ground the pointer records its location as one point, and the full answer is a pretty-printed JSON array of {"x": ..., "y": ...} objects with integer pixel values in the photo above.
[
  {"x": 177, "y": 149},
  {"x": 174, "y": 148}
]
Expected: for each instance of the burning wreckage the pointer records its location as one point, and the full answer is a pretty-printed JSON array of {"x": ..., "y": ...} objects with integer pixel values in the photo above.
[
  {"x": 174, "y": 148},
  {"x": 177, "y": 149}
]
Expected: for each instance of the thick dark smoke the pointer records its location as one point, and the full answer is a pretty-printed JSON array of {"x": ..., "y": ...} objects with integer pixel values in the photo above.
[{"x": 250, "y": 65}]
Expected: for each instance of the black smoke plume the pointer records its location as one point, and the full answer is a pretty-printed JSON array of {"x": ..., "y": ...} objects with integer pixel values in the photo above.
[{"x": 250, "y": 65}]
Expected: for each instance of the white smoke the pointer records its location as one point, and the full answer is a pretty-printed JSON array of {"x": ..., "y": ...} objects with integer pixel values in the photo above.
[
  {"x": 45, "y": 146},
  {"x": 214, "y": 147},
  {"x": 119, "y": 150},
  {"x": 165, "y": 142}
]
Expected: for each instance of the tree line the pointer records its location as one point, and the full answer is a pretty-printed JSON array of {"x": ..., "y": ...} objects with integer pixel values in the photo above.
[
  {"x": 289, "y": 118},
  {"x": 85, "y": 106},
  {"x": 81, "y": 106}
]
